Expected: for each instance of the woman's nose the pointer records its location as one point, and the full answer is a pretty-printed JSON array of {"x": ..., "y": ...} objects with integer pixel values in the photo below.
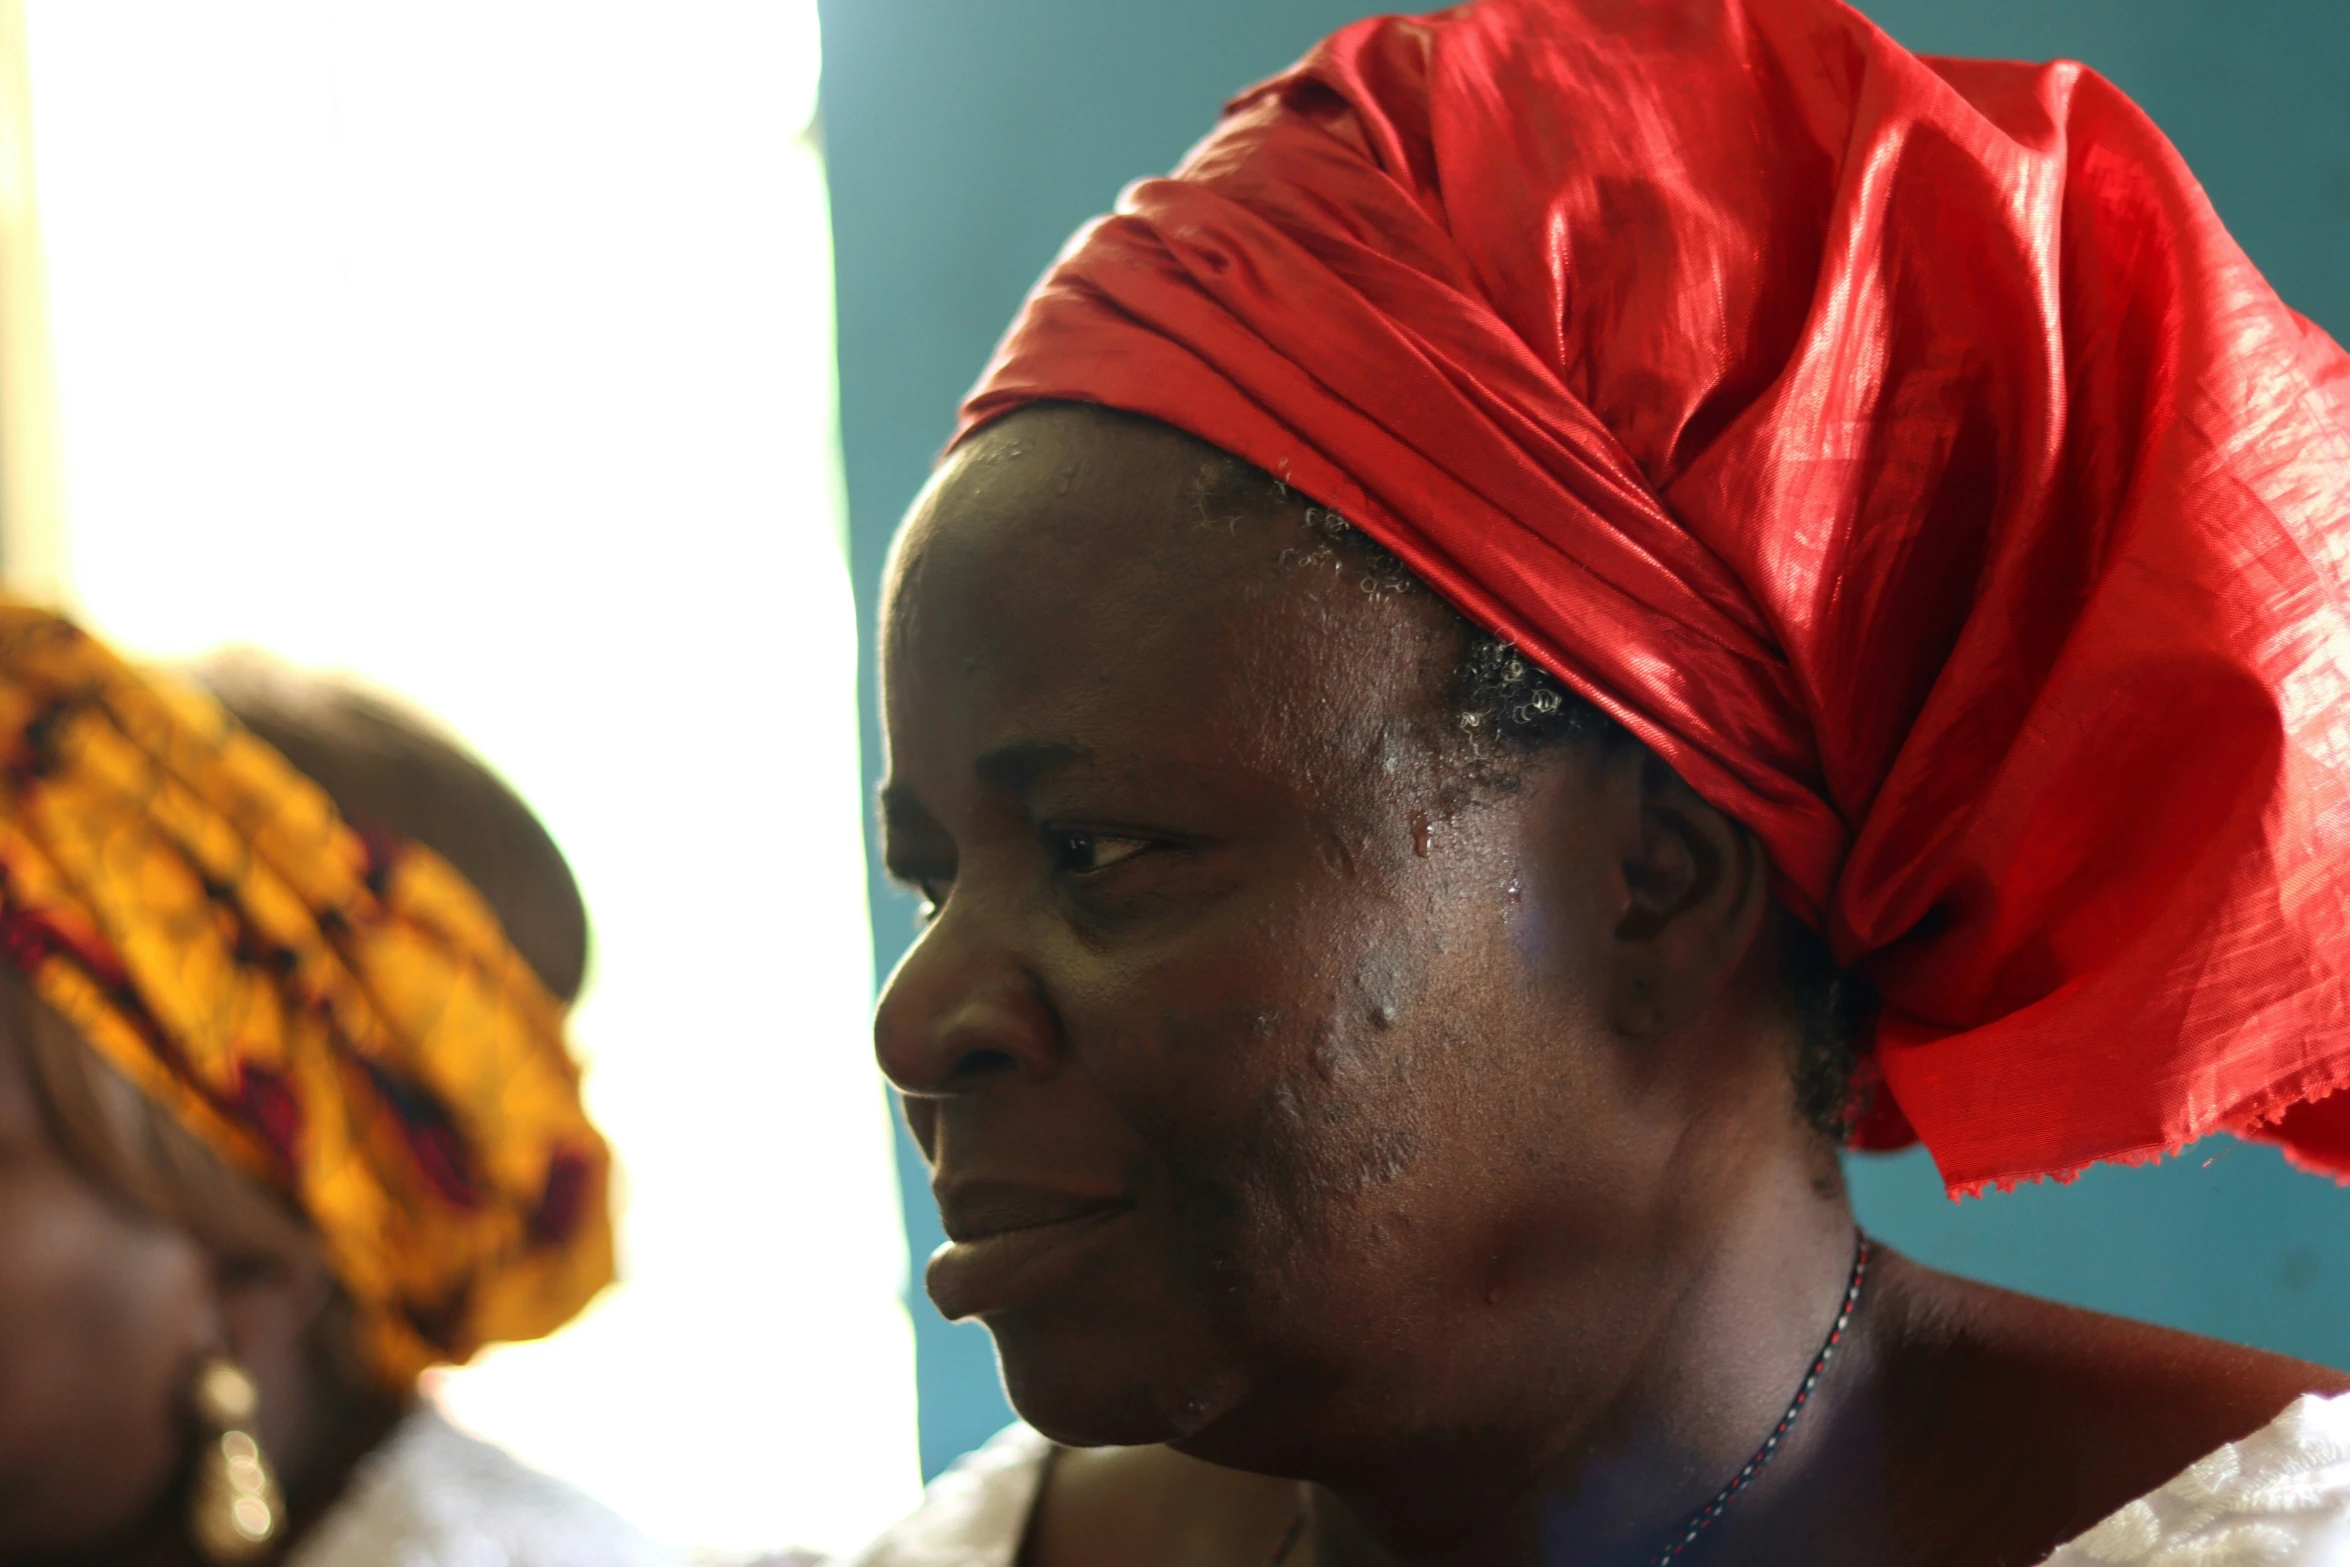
[{"x": 959, "y": 1008}]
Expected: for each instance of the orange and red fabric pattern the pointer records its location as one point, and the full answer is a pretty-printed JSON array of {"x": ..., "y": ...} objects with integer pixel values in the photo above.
[
  {"x": 1899, "y": 446},
  {"x": 342, "y": 1019}
]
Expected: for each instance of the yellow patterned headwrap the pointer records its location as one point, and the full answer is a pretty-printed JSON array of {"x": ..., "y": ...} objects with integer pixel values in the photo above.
[{"x": 342, "y": 1019}]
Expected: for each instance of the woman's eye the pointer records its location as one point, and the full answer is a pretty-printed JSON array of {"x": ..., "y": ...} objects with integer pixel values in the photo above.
[
  {"x": 933, "y": 894},
  {"x": 1082, "y": 853}
]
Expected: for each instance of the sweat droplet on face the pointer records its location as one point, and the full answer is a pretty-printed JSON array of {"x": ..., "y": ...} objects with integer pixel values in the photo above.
[{"x": 1423, "y": 834}]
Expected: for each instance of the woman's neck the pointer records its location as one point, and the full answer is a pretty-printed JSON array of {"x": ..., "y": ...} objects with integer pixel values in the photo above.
[
  {"x": 354, "y": 1425},
  {"x": 1585, "y": 1464}
]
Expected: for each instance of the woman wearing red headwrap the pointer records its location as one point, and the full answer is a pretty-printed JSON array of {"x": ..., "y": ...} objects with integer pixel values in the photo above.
[{"x": 1590, "y": 599}]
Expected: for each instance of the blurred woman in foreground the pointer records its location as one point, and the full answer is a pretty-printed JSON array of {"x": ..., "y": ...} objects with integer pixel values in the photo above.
[
  {"x": 286, "y": 1117},
  {"x": 1467, "y": 640}
]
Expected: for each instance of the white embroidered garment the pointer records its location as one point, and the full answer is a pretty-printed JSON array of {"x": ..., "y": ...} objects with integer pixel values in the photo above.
[
  {"x": 431, "y": 1496},
  {"x": 975, "y": 1514},
  {"x": 2279, "y": 1498}
]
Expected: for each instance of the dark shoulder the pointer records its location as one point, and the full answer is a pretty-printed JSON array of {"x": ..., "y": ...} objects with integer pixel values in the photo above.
[
  {"x": 2093, "y": 1376},
  {"x": 2020, "y": 1422}
]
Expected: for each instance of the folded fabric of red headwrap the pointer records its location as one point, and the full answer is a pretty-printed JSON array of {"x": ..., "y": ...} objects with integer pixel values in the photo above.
[{"x": 1899, "y": 446}]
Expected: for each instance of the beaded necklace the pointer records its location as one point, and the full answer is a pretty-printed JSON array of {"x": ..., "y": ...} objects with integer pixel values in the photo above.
[
  {"x": 1763, "y": 1454},
  {"x": 1720, "y": 1501}
]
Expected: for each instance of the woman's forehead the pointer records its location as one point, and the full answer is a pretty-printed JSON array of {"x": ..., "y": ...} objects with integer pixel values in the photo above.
[
  {"x": 1055, "y": 537},
  {"x": 1085, "y": 494},
  {"x": 1092, "y": 569}
]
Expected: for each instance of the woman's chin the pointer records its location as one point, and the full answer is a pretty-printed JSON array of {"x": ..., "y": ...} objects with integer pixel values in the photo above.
[{"x": 1099, "y": 1394}]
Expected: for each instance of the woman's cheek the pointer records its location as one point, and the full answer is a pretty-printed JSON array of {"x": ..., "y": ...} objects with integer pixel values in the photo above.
[
  {"x": 1268, "y": 1060},
  {"x": 100, "y": 1318},
  {"x": 1184, "y": 1034}
]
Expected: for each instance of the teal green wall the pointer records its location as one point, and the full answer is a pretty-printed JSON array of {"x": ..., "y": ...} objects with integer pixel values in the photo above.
[{"x": 967, "y": 138}]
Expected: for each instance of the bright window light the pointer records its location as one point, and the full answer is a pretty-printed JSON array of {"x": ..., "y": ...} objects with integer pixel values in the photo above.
[{"x": 483, "y": 350}]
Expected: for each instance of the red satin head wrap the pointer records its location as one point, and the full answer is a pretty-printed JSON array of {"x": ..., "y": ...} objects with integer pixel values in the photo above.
[{"x": 1899, "y": 446}]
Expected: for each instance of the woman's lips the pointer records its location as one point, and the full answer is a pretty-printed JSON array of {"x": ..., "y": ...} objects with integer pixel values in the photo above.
[{"x": 1010, "y": 1244}]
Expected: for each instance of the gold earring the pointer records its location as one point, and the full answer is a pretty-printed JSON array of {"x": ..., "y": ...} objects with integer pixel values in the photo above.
[{"x": 236, "y": 1511}]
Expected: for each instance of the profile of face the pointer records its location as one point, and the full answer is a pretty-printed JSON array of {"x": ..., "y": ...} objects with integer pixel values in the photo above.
[
  {"x": 1272, "y": 1042},
  {"x": 103, "y": 1314}
]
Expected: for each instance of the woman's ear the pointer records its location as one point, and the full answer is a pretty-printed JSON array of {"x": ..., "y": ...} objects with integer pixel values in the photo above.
[{"x": 1695, "y": 890}]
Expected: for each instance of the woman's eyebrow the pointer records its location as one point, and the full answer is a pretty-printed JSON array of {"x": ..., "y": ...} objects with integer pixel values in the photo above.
[{"x": 1014, "y": 767}]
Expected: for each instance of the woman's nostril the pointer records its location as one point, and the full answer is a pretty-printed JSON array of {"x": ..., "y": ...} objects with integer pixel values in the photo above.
[
  {"x": 983, "y": 1063},
  {"x": 957, "y": 1013}
]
